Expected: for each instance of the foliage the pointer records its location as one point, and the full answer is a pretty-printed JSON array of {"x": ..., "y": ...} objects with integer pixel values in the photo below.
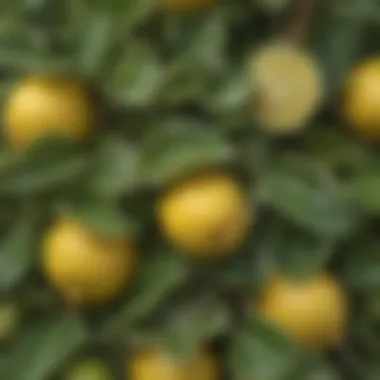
[{"x": 174, "y": 90}]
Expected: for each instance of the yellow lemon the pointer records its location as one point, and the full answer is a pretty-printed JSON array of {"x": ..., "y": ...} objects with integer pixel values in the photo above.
[
  {"x": 314, "y": 311},
  {"x": 361, "y": 99},
  {"x": 158, "y": 365},
  {"x": 47, "y": 105},
  {"x": 85, "y": 268},
  {"x": 206, "y": 216},
  {"x": 289, "y": 86},
  {"x": 10, "y": 320},
  {"x": 89, "y": 369}
]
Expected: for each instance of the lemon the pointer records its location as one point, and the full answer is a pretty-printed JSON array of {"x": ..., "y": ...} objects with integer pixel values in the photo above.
[
  {"x": 314, "y": 311},
  {"x": 361, "y": 99},
  {"x": 85, "y": 268},
  {"x": 207, "y": 216},
  {"x": 89, "y": 369},
  {"x": 40, "y": 106},
  {"x": 158, "y": 365},
  {"x": 289, "y": 84}
]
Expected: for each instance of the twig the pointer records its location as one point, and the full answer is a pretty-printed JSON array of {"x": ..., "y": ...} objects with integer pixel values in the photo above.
[{"x": 300, "y": 22}]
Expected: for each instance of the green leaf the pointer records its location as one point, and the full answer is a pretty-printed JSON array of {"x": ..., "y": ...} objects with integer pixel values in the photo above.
[
  {"x": 43, "y": 347},
  {"x": 104, "y": 217},
  {"x": 17, "y": 253},
  {"x": 47, "y": 165},
  {"x": 321, "y": 209},
  {"x": 337, "y": 42},
  {"x": 315, "y": 368},
  {"x": 11, "y": 7},
  {"x": 44, "y": 15},
  {"x": 361, "y": 268},
  {"x": 136, "y": 11},
  {"x": 96, "y": 44},
  {"x": 193, "y": 323},
  {"x": 293, "y": 251},
  {"x": 136, "y": 77},
  {"x": 208, "y": 42},
  {"x": 183, "y": 81},
  {"x": 115, "y": 168},
  {"x": 336, "y": 149},
  {"x": 323, "y": 373},
  {"x": 273, "y": 6},
  {"x": 179, "y": 148},
  {"x": 159, "y": 276},
  {"x": 130, "y": 13},
  {"x": 363, "y": 189},
  {"x": 23, "y": 49},
  {"x": 232, "y": 94},
  {"x": 258, "y": 351}
]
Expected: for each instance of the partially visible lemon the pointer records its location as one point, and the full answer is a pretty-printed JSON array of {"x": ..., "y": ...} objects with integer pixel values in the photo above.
[
  {"x": 314, "y": 312},
  {"x": 158, "y": 365},
  {"x": 361, "y": 99},
  {"x": 89, "y": 369},
  {"x": 10, "y": 318}
]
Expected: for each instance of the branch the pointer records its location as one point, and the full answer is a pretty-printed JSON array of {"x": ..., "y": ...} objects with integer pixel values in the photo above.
[{"x": 298, "y": 28}]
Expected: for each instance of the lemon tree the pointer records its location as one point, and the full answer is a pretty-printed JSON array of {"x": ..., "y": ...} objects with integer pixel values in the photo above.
[{"x": 189, "y": 189}]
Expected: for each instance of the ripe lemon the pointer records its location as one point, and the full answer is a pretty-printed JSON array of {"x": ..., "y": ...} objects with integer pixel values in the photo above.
[
  {"x": 362, "y": 98},
  {"x": 86, "y": 268},
  {"x": 158, "y": 365},
  {"x": 10, "y": 320},
  {"x": 207, "y": 216},
  {"x": 289, "y": 86},
  {"x": 314, "y": 312},
  {"x": 89, "y": 369},
  {"x": 47, "y": 105},
  {"x": 186, "y": 5}
]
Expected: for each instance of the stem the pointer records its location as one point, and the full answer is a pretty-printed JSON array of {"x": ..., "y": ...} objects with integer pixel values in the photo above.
[{"x": 299, "y": 25}]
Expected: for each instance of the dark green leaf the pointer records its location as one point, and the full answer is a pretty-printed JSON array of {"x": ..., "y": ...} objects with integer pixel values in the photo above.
[
  {"x": 116, "y": 165},
  {"x": 315, "y": 368},
  {"x": 322, "y": 374},
  {"x": 179, "y": 148},
  {"x": 159, "y": 276},
  {"x": 292, "y": 250},
  {"x": 43, "y": 347},
  {"x": 273, "y": 6},
  {"x": 130, "y": 12},
  {"x": 185, "y": 82},
  {"x": 104, "y": 217},
  {"x": 17, "y": 253},
  {"x": 193, "y": 323},
  {"x": 321, "y": 209},
  {"x": 44, "y": 15},
  {"x": 232, "y": 94},
  {"x": 208, "y": 43},
  {"x": 336, "y": 148},
  {"x": 44, "y": 166},
  {"x": 258, "y": 351},
  {"x": 24, "y": 49},
  {"x": 364, "y": 189},
  {"x": 137, "y": 76},
  {"x": 338, "y": 43},
  {"x": 361, "y": 267},
  {"x": 136, "y": 11},
  {"x": 96, "y": 44}
]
